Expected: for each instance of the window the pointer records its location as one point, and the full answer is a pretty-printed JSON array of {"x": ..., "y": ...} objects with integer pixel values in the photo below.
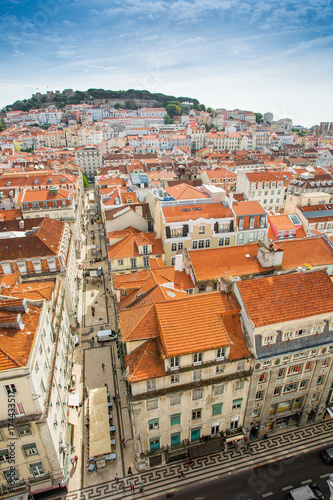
[
  {"x": 285, "y": 359},
  {"x": 196, "y": 414},
  {"x": 259, "y": 394},
  {"x": 202, "y": 229},
  {"x": 11, "y": 476},
  {"x": 268, "y": 339},
  {"x": 175, "y": 439},
  {"x": 197, "y": 358},
  {"x": 240, "y": 239},
  {"x": 262, "y": 221},
  {"x": 196, "y": 394},
  {"x": 241, "y": 224},
  {"x": 239, "y": 385},
  {"x": 207, "y": 243},
  {"x": 4, "y": 455},
  {"x": 217, "y": 409},
  {"x": 173, "y": 247},
  {"x": 237, "y": 404},
  {"x": 151, "y": 385},
  {"x": 303, "y": 384},
  {"x": 175, "y": 399},
  {"x": 320, "y": 379},
  {"x": 152, "y": 404},
  {"x": 194, "y": 245},
  {"x": 36, "y": 367},
  {"x": 153, "y": 424},
  {"x": 37, "y": 469},
  {"x": 262, "y": 377},
  {"x": 277, "y": 391},
  {"x": 30, "y": 449},
  {"x": 281, "y": 373},
  {"x": 220, "y": 353},
  {"x": 290, "y": 387},
  {"x": 145, "y": 249},
  {"x": 176, "y": 232},
  {"x": 123, "y": 293},
  {"x": 201, "y": 243},
  {"x": 219, "y": 369},
  {"x": 133, "y": 262},
  {"x": 180, "y": 245},
  {"x": 240, "y": 366},
  {"x": 10, "y": 389},
  {"x": 174, "y": 362},
  {"x": 219, "y": 389},
  {"x": 19, "y": 411},
  {"x": 307, "y": 366},
  {"x": 23, "y": 430},
  {"x": 175, "y": 378},
  {"x": 227, "y": 241},
  {"x": 324, "y": 363},
  {"x": 294, "y": 369},
  {"x": 221, "y": 242},
  {"x": 146, "y": 261},
  {"x": 287, "y": 335},
  {"x": 173, "y": 261},
  {"x": 303, "y": 331},
  {"x": 175, "y": 419},
  {"x": 197, "y": 375},
  {"x": 252, "y": 221}
]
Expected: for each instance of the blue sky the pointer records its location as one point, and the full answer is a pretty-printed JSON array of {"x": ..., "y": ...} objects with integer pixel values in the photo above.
[{"x": 255, "y": 55}]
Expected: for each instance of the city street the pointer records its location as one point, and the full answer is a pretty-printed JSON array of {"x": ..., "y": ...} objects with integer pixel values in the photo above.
[{"x": 266, "y": 481}]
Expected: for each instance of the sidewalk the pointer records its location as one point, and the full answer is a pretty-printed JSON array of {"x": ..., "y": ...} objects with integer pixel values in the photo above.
[{"x": 165, "y": 479}]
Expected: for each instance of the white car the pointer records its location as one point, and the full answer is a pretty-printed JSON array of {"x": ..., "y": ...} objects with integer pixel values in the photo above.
[{"x": 76, "y": 341}]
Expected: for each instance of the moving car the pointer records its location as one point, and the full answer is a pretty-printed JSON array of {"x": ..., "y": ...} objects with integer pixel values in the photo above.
[
  {"x": 328, "y": 455},
  {"x": 104, "y": 335},
  {"x": 307, "y": 492}
]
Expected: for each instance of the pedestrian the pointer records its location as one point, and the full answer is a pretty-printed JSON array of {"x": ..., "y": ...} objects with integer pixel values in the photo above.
[
  {"x": 141, "y": 487},
  {"x": 129, "y": 472},
  {"x": 249, "y": 449},
  {"x": 116, "y": 478},
  {"x": 132, "y": 487},
  {"x": 181, "y": 473},
  {"x": 103, "y": 366},
  {"x": 114, "y": 398},
  {"x": 225, "y": 446},
  {"x": 123, "y": 442},
  {"x": 191, "y": 464},
  {"x": 76, "y": 458},
  {"x": 92, "y": 338},
  {"x": 122, "y": 485}
]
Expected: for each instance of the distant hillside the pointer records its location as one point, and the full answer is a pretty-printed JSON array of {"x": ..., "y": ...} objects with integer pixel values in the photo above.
[{"x": 131, "y": 99}]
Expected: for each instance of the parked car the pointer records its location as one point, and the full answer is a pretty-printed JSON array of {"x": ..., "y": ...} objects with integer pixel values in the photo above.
[
  {"x": 104, "y": 335},
  {"x": 328, "y": 455},
  {"x": 76, "y": 341},
  {"x": 307, "y": 492}
]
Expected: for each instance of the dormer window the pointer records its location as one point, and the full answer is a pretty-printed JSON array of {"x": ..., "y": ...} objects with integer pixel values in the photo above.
[
  {"x": 145, "y": 249},
  {"x": 268, "y": 340},
  {"x": 252, "y": 221},
  {"x": 174, "y": 362},
  {"x": 220, "y": 353},
  {"x": 197, "y": 358}
]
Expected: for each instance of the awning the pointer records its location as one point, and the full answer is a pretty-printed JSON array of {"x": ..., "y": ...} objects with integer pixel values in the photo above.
[
  {"x": 99, "y": 432},
  {"x": 73, "y": 417},
  {"x": 74, "y": 399},
  {"x": 330, "y": 412}
]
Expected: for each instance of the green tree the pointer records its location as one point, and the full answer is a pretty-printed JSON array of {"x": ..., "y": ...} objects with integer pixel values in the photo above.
[
  {"x": 202, "y": 107},
  {"x": 208, "y": 126},
  {"x": 174, "y": 108},
  {"x": 168, "y": 119},
  {"x": 130, "y": 104},
  {"x": 85, "y": 181},
  {"x": 259, "y": 118}
]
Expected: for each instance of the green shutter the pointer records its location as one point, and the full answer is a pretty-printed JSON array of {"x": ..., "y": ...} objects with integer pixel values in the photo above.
[
  {"x": 175, "y": 419},
  {"x": 217, "y": 409},
  {"x": 237, "y": 402}
]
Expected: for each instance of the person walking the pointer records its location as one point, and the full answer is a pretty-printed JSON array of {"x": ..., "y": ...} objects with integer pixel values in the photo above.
[
  {"x": 116, "y": 477},
  {"x": 132, "y": 487},
  {"x": 76, "y": 458},
  {"x": 181, "y": 473},
  {"x": 129, "y": 472},
  {"x": 122, "y": 485},
  {"x": 103, "y": 366},
  {"x": 249, "y": 449}
]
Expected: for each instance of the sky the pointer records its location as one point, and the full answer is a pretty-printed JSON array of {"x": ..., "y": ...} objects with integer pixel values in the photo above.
[{"x": 260, "y": 56}]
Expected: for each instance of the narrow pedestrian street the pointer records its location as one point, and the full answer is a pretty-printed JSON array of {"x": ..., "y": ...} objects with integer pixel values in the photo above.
[{"x": 97, "y": 364}]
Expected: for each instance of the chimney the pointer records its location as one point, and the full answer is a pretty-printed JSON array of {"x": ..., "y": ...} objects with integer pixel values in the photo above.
[
  {"x": 179, "y": 264},
  {"x": 231, "y": 197},
  {"x": 270, "y": 256},
  {"x": 21, "y": 224}
]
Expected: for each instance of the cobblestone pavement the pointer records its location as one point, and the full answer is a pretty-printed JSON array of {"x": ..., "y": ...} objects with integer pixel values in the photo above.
[{"x": 165, "y": 479}]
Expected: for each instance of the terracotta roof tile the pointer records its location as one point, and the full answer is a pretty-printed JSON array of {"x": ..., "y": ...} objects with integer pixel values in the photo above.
[
  {"x": 185, "y": 192},
  {"x": 145, "y": 362},
  {"x": 299, "y": 295},
  {"x": 194, "y": 212}
]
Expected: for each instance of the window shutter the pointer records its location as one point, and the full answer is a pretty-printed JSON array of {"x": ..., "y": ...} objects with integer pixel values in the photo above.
[
  {"x": 231, "y": 226},
  {"x": 167, "y": 232},
  {"x": 185, "y": 230},
  {"x": 216, "y": 227}
]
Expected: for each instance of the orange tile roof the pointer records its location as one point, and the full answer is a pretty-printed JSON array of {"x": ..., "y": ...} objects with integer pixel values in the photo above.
[
  {"x": 194, "y": 212},
  {"x": 139, "y": 323},
  {"x": 15, "y": 345},
  {"x": 195, "y": 323},
  {"x": 315, "y": 251},
  {"x": 145, "y": 362},
  {"x": 299, "y": 295},
  {"x": 281, "y": 222},
  {"x": 33, "y": 290},
  {"x": 185, "y": 192},
  {"x": 128, "y": 246},
  {"x": 248, "y": 208}
]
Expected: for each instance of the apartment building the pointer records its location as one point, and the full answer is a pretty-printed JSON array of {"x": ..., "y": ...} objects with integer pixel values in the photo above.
[
  {"x": 292, "y": 345},
  {"x": 41, "y": 248},
  {"x": 264, "y": 187},
  {"x": 251, "y": 222},
  {"x": 90, "y": 159},
  {"x": 35, "y": 371},
  {"x": 195, "y": 384},
  {"x": 316, "y": 218}
]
